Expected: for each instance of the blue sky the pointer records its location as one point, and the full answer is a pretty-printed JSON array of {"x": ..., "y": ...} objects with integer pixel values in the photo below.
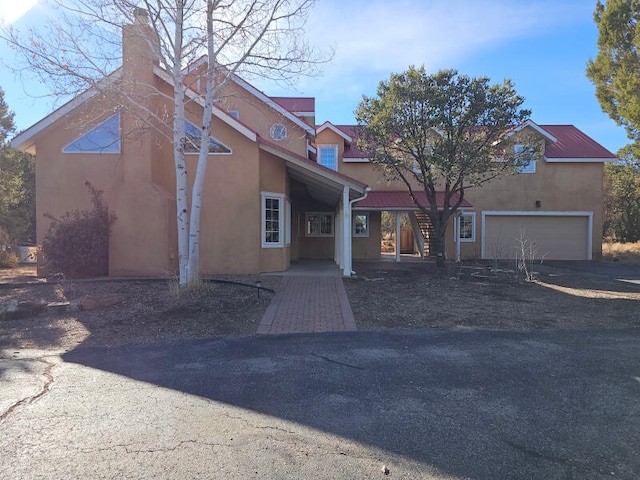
[{"x": 542, "y": 45}]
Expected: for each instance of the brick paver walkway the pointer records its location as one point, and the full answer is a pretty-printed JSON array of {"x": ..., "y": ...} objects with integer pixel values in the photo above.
[{"x": 308, "y": 304}]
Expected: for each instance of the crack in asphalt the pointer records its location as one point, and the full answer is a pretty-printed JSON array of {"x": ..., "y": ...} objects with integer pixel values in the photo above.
[
  {"x": 34, "y": 398},
  {"x": 337, "y": 361}
]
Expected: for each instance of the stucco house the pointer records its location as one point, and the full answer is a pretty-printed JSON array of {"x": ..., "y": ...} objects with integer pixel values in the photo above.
[{"x": 279, "y": 188}]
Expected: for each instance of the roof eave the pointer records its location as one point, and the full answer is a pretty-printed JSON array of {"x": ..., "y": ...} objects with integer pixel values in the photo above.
[
  {"x": 23, "y": 140},
  {"x": 578, "y": 160},
  {"x": 334, "y": 129},
  {"x": 536, "y": 127}
]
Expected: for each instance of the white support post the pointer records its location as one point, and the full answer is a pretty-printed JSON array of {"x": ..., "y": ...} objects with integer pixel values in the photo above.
[
  {"x": 456, "y": 233},
  {"x": 338, "y": 256},
  {"x": 346, "y": 232},
  {"x": 398, "y": 225}
]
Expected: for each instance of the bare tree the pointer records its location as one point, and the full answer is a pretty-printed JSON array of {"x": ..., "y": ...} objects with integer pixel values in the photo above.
[{"x": 80, "y": 49}]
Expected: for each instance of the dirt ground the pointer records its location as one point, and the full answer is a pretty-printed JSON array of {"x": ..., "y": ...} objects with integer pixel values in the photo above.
[
  {"x": 149, "y": 312},
  {"x": 383, "y": 295}
]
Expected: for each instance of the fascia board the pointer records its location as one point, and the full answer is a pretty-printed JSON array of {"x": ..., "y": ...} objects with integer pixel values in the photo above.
[
  {"x": 536, "y": 127},
  {"x": 334, "y": 129}
]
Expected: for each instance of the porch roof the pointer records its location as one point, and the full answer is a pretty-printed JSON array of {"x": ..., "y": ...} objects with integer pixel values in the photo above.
[
  {"x": 401, "y": 200},
  {"x": 323, "y": 184}
]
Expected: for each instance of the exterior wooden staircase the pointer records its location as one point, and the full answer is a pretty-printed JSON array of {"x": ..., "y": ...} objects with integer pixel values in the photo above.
[{"x": 423, "y": 224}]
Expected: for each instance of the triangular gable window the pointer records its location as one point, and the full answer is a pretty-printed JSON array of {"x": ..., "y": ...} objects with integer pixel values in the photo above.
[
  {"x": 105, "y": 138},
  {"x": 194, "y": 134}
]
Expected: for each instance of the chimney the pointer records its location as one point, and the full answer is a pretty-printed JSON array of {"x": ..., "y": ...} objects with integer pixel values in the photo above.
[
  {"x": 140, "y": 45},
  {"x": 140, "y": 16}
]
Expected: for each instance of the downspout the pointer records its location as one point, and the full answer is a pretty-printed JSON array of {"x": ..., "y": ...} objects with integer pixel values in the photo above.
[{"x": 351, "y": 202}]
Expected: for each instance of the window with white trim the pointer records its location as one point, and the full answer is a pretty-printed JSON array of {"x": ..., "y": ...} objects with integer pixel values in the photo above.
[
  {"x": 467, "y": 227},
  {"x": 318, "y": 224},
  {"x": 528, "y": 166},
  {"x": 272, "y": 219},
  {"x": 361, "y": 225},
  {"x": 328, "y": 156}
]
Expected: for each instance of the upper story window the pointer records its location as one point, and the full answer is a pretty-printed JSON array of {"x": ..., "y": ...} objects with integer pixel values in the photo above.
[
  {"x": 527, "y": 167},
  {"x": 194, "y": 134},
  {"x": 105, "y": 138},
  {"x": 328, "y": 156}
]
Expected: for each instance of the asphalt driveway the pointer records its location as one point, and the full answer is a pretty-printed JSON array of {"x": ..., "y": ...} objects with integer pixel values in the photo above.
[{"x": 429, "y": 404}]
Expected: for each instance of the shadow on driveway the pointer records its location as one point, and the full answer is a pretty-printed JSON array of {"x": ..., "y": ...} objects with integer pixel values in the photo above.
[{"x": 477, "y": 405}]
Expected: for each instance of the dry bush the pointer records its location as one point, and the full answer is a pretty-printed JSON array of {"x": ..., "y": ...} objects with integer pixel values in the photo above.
[
  {"x": 621, "y": 252},
  {"x": 8, "y": 259}
]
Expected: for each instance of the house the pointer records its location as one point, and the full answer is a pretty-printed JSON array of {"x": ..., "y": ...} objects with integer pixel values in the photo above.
[{"x": 279, "y": 188}]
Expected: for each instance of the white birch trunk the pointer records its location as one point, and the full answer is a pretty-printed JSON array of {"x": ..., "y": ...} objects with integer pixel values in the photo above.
[
  {"x": 203, "y": 157},
  {"x": 179, "y": 140}
]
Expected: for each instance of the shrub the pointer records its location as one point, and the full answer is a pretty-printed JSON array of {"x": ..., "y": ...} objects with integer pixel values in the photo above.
[
  {"x": 8, "y": 259},
  {"x": 77, "y": 244}
]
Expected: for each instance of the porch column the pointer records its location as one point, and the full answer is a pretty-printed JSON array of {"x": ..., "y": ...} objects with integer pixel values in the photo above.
[
  {"x": 456, "y": 235},
  {"x": 338, "y": 256},
  {"x": 398, "y": 225},
  {"x": 346, "y": 232}
]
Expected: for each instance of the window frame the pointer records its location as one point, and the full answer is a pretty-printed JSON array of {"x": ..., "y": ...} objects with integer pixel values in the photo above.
[
  {"x": 328, "y": 146},
  {"x": 280, "y": 197},
  {"x": 320, "y": 214},
  {"x": 472, "y": 216},
  {"x": 528, "y": 168},
  {"x": 366, "y": 222}
]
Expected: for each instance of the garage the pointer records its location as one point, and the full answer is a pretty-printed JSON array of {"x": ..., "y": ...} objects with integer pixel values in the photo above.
[{"x": 549, "y": 235}]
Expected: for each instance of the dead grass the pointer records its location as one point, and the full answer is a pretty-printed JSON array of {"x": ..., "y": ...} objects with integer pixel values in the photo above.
[
  {"x": 151, "y": 312},
  {"x": 621, "y": 252}
]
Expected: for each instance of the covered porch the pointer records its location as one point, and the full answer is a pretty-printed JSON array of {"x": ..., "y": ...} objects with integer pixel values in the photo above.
[
  {"x": 400, "y": 202},
  {"x": 321, "y": 204}
]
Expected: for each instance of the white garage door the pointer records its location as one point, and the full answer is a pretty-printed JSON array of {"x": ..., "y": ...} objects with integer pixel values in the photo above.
[{"x": 549, "y": 237}]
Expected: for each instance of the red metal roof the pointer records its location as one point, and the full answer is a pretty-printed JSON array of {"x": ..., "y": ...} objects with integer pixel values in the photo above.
[
  {"x": 401, "y": 200},
  {"x": 352, "y": 150},
  {"x": 572, "y": 143},
  {"x": 296, "y": 104}
]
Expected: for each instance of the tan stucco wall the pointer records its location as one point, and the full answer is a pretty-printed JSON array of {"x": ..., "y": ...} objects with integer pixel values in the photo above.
[{"x": 368, "y": 248}]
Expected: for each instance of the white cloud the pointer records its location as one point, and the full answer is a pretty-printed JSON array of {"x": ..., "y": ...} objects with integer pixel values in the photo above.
[
  {"x": 379, "y": 35},
  {"x": 12, "y": 10}
]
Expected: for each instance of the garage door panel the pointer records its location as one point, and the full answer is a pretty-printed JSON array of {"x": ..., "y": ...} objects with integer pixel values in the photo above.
[{"x": 548, "y": 237}]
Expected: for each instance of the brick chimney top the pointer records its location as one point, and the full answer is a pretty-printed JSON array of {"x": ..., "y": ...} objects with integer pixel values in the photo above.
[{"x": 141, "y": 16}]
